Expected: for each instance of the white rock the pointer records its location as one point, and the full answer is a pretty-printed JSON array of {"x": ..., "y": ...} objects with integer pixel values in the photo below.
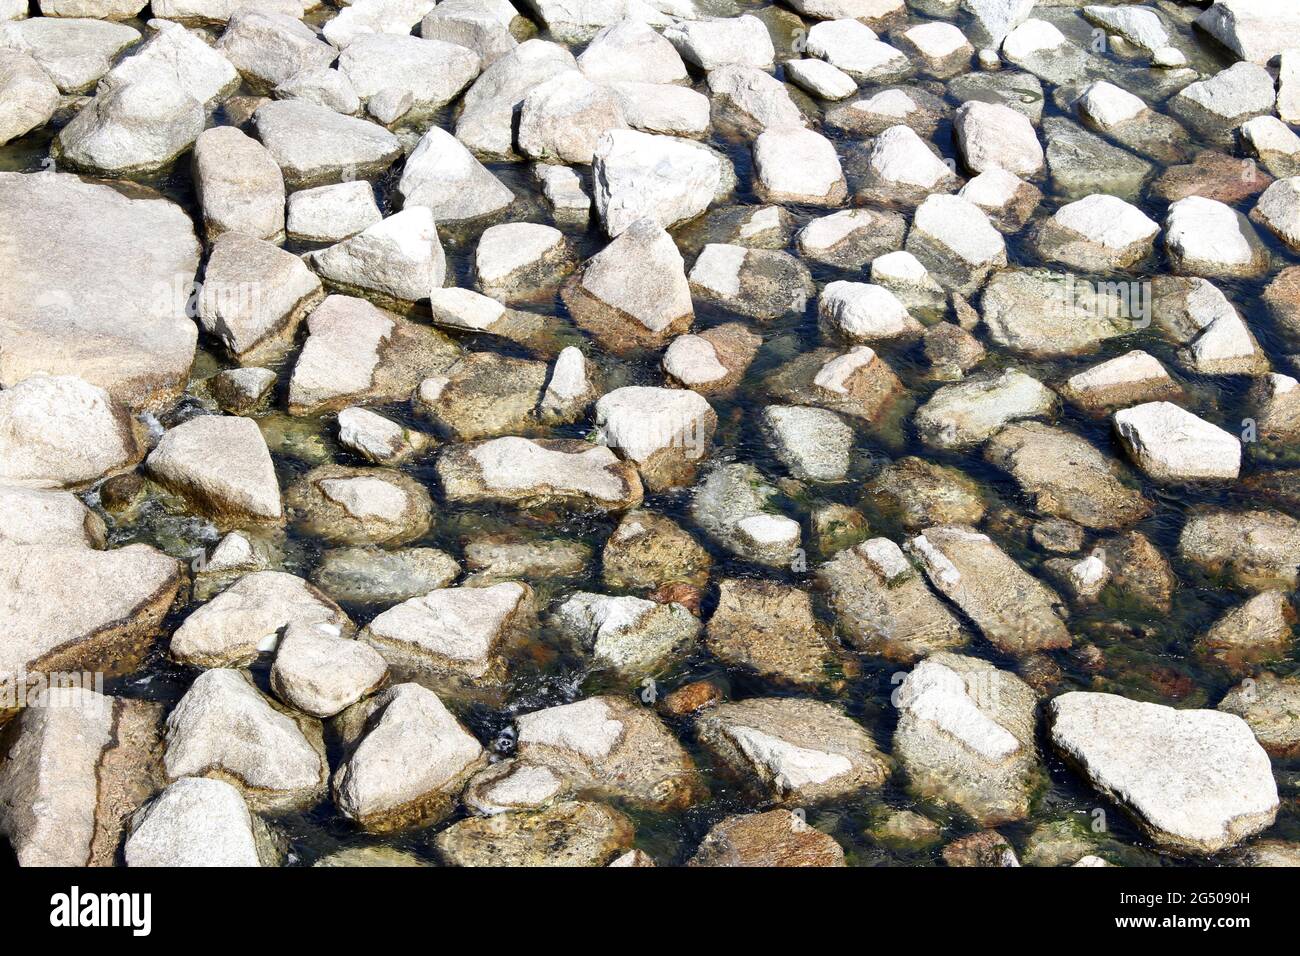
[
  {"x": 693, "y": 361},
  {"x": 955, "y": 241},
  {"x": 569, "y": 387},
  {"x": 517, "y": 255},
  {"x": 221, "y": 465},
  {"x": 562, "y": 119},
  {"x": 1107, "y": 105},
  {"x": 183, "y": 60},
  {"x": 720, "y": 41},
  {"x": 638, "y": 175},
  {"x": 137, "y": 128},
  {"x": 1141, "y": 26},
  {"x": 443, "y": 175},
  {"x": 320, "y": 673},
  {"x": 862, "y": 312},
  {"x": 852, "y": 46},
  {"x": 754, "y": 98},
  {"x": 1207, "y": 237},
  {"x": 431, "y": 71},
  {"x": 820, "y": 78},
  {"x": 219, "y": 11},
  {"x": 323, "y": 86},
  {"x": 992, "y": 135},
  {"x": 814, "y": 443},
  {"x": 663, "y": 108},
  {"x": 657, "y": 428},
  {"x": 632, "y": 51},
  {"x": 1172, "y": 445},
  {"x": 1097, "y": 232},
  {"x": 268, "y": 48},
  {"x": 489, "y": 107},
  {"x": 316, "y": 146},
  {"x": 239, "y": 185},
  {"x": 797, "y": 165},
  {"x": 1288, "y": 93},
  {"x": 481, "y": 25},
  {"x": 399, "y": 257},
  {"x": 74, "y": 52},
  {"x": 28, "y": 97},
  {"x": 628, "y": 635},
  {"x": 900, "y": 157},
  {"x": 1195, "y": 779},
  {"x": 1255, "y": 30},
  {"x": 194, "y": 822},
  {"x": 362, "y": 17},
  {"x": 1232, "y": 95},
  {"x": 999, "y": 17},
  {"x": 32, "y": 516},
  {"x": 331, "y": 213}
]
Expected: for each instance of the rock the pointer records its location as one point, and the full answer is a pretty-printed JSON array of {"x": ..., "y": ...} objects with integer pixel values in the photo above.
[
  {"x": 1270, "y": 705},
  {"x": 520, "y": 259},
  {"x": 951, "y": 350},
  {"x": 1194, "y": 780},
  {"x": 663, "y": 108},
  {"x": 769, "y": 629},
  {"x": 1212, "y": 175},
  {"x": 370, "y": 856},
  {"x": 610, "y": 747},
  {"x": 431, "y": 71},
  {"x": 1255, "y": 550},
  {"x": 905, "y": 828},
  {"x": 63, "y": 432},
  {"x": 1288, "y": 94},
  {"x": 180, "y": 59},
  {"x": 918, "y": 493},
  {"x": 1171, "y": 445},
  {"x": 409, "y": 764},
  {"x": 72, "y": 608},
  {"x": 1258, "y": 631},
  {"x": 987, "y": 848},
  {"x": 625, "y": 308},
  {"x": 1255, "y": 31},
  {"x": 1138, "y": 25},
  {"x": 29, "y": 516},
  {"x": 752, "y": 100},
  {"x": 774, "y": 838},
  {"x": 820, "y": 78},
  {"x": 455, "y": 639},
  {"x": 374, "y": 576},
  {"x": 512, "y": 784},
  {"x": 359, "y": 505},
  {"x": 315, "y": 146},
  {"x": 573, "y": 833},
  {"x": 1017, "y": 613},
  {"x": 1007, "y": 200},
  {"x": 1213, "y": 337},
  {"x": 713, "y": 361},
  {"x": 691, "y": 697},
  {"x": 1081, "y": 163},
  {"x": 483, "y": 395},
  {"x": 1066, "y": 476},
  {"x": 442, "y": 175},
  {"x": 1040, "y": 48},
  {"x": 74, "y": 51},
  {"x": 1129, "y": 379},
  {"x": 1047, "y": 314},
  {"x": 368, "y": 18},
  {"x": 569, "y": 390},
  {"x": 795, "y": 165},
  {"x": 199, "y": 822},
  {"x": 942, "y": 49},
  {"x": 486, "y": 121},
  {"x": 663, "y": 431},
  {"x": 965, "y": 738},
  {"x": 321, "y": 674},
  {"x": 1274, "y": 143},
  {"x": 648, "y": 550},
  {"x": 1099, "y": 233},
  {"x": 901, "y": 105},
  {"x": 29, "y": 95},
  {"x": 874, "y": 13},
  {"x": 713, "y": 42},
  {"x": 1128, "y": 120},
  {"x": 853, "y": 47},
  {"x": 733, "y": 506},
  {"x": 356, "y": 352},
  {"x": 813, "y": 443},
  {"x": 851, "y": 238},
  {"x": 220, "y": 11},
  {"x": 569, "y": 202},
  {"x": 861, "y": 312},
  {"x": 1206, "y": 237},
  {"x": 997, "y": 18},
  {"x": 239, "y": 185},
  {"x": 399, "y": 258},
  {"x": 993, "y": 136},
  {"x": 332, "y": 213},
  {"x": 792, "y": 751},
  {"x": 509, "y": 556},
  {"x": 629, "y": 636},
  {"x": 631, "y": 50},
  {"x": 225, "y": 729},
  {"x": 954, "y": 240},
  {"x": 968, "y": 412},
  {"x": 1225, "y": 100},
  {"x": 1275, "y": 400},
  {"x": 759, "y": 283},
  {"x": 562, "y": 119},
  {"x": 222, "y": 467},
  {"x": 638, "y": 175},
  {"x": 902, "y": 169},
  {"x": 268, "y": 48},
  {"x": 1278, "y": 210},
  {"x": 79, "y": 765},
  {"x": 528, "y": 474},
  {"x": 1282, "y": 298},
  {"x": 377, "y": 439},
  {"x": 857, "y": 383},
  {"x": 324, "y": 86}
]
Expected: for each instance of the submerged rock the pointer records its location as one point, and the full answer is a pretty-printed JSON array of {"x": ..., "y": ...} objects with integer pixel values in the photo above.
[
  {"x": 573, "y": 833},
  {"x": 774, "y": 838}
]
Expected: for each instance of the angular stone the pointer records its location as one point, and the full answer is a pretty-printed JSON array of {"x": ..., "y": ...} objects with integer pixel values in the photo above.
[
  {"x": 723, "y": 41},
  {"x": 442, "y": 175},
  {"x": 487, "y": 116},
  {"x": 199, "y": 822},
  {"x": 769, "y": 629},
  {"x": 222, "y": 467},
  {"x": 524, "y": 473},
  {"x": 316, "y": 146},
  {"x": 74, "y": 51},
  {"x": 1171, "y": 445},
  {"x": 774, "y": 838},
  {"x": 966, "y": 413},
  {"x": 359, "y": 505},
  {"x": 638, "y": 175},
  {"x": 629, "y": 636},
  {"x": 331, "y": 213},
  {"x": 431, "y": 71},
  {"x": 572, "y": 833},
  {"x": 239, "y": 185}
]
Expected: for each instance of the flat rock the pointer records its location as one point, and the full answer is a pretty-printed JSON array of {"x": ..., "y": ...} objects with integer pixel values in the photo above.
[
  {"x": 773, "y": 838},
  {"x": 1171, "y": 445},
  {"x": 568, "y": 834},
  {"x": 966, "y": 413},
  {"x": 331, "y": 213},
  {"x": 316, "y": 146},
  {"x": 74, "y": 51},
  {"x": 221, "y": 465},
  {"x": 769, "y": 629},
  {"x": 527, "y": 473},
  {"x": 359, "y": 505},
  {"x": 239, "y": 185}
]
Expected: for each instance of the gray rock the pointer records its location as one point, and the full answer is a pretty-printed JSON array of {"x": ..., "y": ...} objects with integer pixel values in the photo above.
[
  {"x": 665, "y": 432},
  {"x": 631, "y": 50},
  {"x": 722, "y": 41},
  {"x": 375, "y": 576},
  {"x": 31, "y": 516},
  {"x": 1271, "y": 706},
  {"x": 814, "y": 443},
  {"x": 486, "y": 121},
  {"x": 733, "y": 506},
  {"x": 431, "y": 71},
  {"x": 1254, "y": 550},
  {"x": 397, "y": 259},
  {"x": 1049, "y": 314},
  {"x": 639, "y": 175},
  {"x": 857, "y": 383},
  {"x": 239, "y": 185},
  {"x": 955, "y": 241},
  {"x": 851, "y": 238},
  {"x": 521, "y": 260},
  {"x": 480, "y": 25},
  {"x": 316, "y": 146},
  {"x": 331, "y": 213},
  {"x": 199, "y": 822},
  {"x": 1171, "y": 445},
  {"x": 180, "y": 59},
  {"x": 222, "y": 467},
  {"x": 28, "y": 97},
  {"x": 268, "y": 48},
  {"x": 761, "y": 284},
  {"x": 967, "y": 413},
  {"x": 74, "y": 51},
  {"x": 359, "y": 505},
  {"x": 442, "y": 175},
  {"x": 629, "y": 636}
]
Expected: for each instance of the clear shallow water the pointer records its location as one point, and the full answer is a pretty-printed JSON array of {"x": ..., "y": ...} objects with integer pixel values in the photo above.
[{"x": 1146, "y": 657}]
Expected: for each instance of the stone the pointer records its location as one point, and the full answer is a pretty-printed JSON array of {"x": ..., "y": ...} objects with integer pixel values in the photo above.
[
  {"x": 761, "y": 284},
  {"x": 769, "y": 629},
  {"x": 1099, "y": 233},
  {"x": 862, "y": 312},
  {"x": 853, "y": 47},
  {"x": 965, "y": 738},
  {"x": 1214, "y": 338},
  {"x": 987, "y": 848},
  {"x": 1226, "y": 100},
  {"x": 409, "y": 764},
  {"x": 569, "y": 390},
  {"x": 74, "y": 51},
  {"x": 220, "y": 11},
  {"x": 713, "y": 361},
  {"x": 1254, "y": 550},
  {"x": 954, "y": 240},
  {"x": 239, "y": 185},
  {"x": 488, "y": 108},
  {"x": 224, "y": 728},
  {"x": 1194, "y": 780},
  {"x": 1277, "y": 147},
  {"x": 31, "y": 516},
  {"x": 792, "y": 751},
  {"x": 182, "y": 60},
  {"x": 1278, "y": 210},
  {"x": 663, "y": 431},
  {"x": 610, "y": 747},
  {"x": 568, "y": 834},
  {"x": 942, "y": 49},
  {"x": 795, "y": 165},
  {"x": 399, "y": 258},
  {"x": 359, "y": 505},
  {"x": 993, "y": 136},
  {"x": 711, "y": 42},
  {"x": 628, "y": 636},
  {"x": 813, "y": 443},
  {"x": 851, "y": 238},
  {"x": 648, "y": 550},
  {"x": 368, "y": 18},
  {"x": 900, "y": 105},
  {"x": 1171, "y": 445},
  {"x": 202, "y": 823},
  {"x": 1212, "y": 175},
  {"x": 78, "y": 766},
  {"x": 220, "y": 464},
  {"x": 951, "y": 350},
  {"x": 480, "y": 25},
  {"x": 820, "y": 78},
  {"x": 901, "y": 168},
  {"x": 1255, "y": 30},
  {"x": 316, "y": 146},
  {"x": 431, "y": 71},
  {"x": 626, "y": 307},
  {"x": 519, "y": 259},
  {"x": 1066, "y": 476},
  {"x": 1008, "y": 200},
  {"x": 563, "y": 190},
  {"x": 323, "y": 86},
  {"x": 1082, "y": 163},
  {"x": 356, "y": 352},
  {"x": 377, "y": 439},
  {"x": 525, "y": 473},
  {"x": 918, "y": 493},
  {"x": 771, "y": 839},
  {"x": 509, "y": 556},
  {"x": 562, "y": 119},
  {"x": 442, "y": 174},
  {"x": 254, "y": 297},
  {"x": 1130, "y": 379},
  {"x": 732, "y": 505},
  {"x": 631, "y": 50},
  {"x": 1258, "y": 631},
  {"x": 997, "y": 18},
  {"x": 857, "y": 383},
  {"x": 63, "y": 432},
  {"x": 638, "y": 175},
  {"x": 966, "y": 413},
  {"x": 368, "y": 575},
  {"x": 753, "y": 100},
  {"x": 27, "y": 94},
  {"x": 1040, "y": 48},
  {"x": 483, "y": 395},
  {"x": 1016, "y": 612},
  {"x": 457, "y": 638},
  {"x": 321, "y": 674},
  {"x": 882, "y": 604},
  {"x": 1206, "y": 237},
  {"x": 268, "y": 48},
  {"x": 1271, "y": 706}
]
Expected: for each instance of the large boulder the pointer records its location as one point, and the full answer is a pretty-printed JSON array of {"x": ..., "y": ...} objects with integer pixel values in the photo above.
[
  {"x": 430, "y": 72},
  {"x": 99, "y": 277},
  {"x": 74, "y": 51},
  {"x": 316, "y": 146},
  {"x": 135, "y": 129}
]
